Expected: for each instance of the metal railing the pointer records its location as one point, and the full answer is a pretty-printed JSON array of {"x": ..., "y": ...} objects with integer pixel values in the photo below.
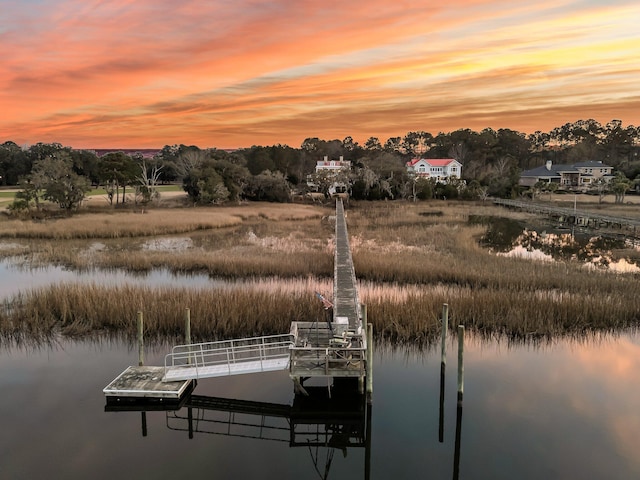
[{"x": 227, "y": 357}]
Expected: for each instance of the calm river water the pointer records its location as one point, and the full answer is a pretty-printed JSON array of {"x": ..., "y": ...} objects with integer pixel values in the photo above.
[
  {"x": 567, "y": 410},
  {"x": 563, "y": 411}
]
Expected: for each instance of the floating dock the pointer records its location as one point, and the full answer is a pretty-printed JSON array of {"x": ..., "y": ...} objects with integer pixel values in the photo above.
[{"x": 137, "y": 383}]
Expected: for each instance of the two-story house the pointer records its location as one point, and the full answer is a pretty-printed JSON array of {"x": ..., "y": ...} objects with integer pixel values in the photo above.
[
  {"x": 440, "y": 169},
  {"x": 332, "y": 169},
  {"x": 332, "y": 165},
  {"x": 575, "y": 176}
]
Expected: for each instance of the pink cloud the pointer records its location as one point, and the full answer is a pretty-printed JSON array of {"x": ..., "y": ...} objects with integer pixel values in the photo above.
[{"x": 238, "y": 73}]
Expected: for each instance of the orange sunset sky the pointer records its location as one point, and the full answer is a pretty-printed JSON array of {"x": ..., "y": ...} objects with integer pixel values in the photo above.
[{"x": 236, "y": 73}]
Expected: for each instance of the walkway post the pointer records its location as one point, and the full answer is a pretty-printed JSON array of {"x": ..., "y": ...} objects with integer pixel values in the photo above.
[
  {"x": 187, "y": 331},
  {"x": 140, "y": 339}
]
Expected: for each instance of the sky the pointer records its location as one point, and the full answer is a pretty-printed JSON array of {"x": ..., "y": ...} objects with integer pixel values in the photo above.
[{"x": 236, "y": 73}]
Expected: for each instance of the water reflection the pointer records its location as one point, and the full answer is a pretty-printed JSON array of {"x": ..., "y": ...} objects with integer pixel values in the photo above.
[
  {"x": 546, "y": 242},
  {"x": 324, "y": 422},
  {"x": 566, "y": 409}
]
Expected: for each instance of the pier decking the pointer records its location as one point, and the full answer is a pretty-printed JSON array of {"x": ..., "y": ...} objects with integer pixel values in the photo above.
[
  {"x": 336, "y": 347},
  {"x": 146, "y": 382}
]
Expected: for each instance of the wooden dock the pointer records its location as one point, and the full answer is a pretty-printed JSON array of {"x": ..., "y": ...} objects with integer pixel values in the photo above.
[
  {"x": 573, "y": 216},
  {"x": 335, "y": 348},
  {"x": 146, "y": 383},
  {"x": 339, "y": 347}
]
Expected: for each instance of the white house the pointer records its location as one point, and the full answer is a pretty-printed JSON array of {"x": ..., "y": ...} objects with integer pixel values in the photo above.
[
  {"x": 332, "y": 165},
  {"x": 332, "y": 170},
  {"x": 440, "y": 169}
]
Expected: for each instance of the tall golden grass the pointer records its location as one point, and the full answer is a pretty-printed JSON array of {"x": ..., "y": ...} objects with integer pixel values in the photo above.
[{"x": 409, "y": 258}]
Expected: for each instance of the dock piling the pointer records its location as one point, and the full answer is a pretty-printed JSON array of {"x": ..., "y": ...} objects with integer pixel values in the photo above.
[
  {"x": 140, "y": 339},
  {"x": 187, "y": 331},
  {"x": 460, "y": 362},
  {"x": 445, "y": 327},
  {"x": 369, "y": 362}
]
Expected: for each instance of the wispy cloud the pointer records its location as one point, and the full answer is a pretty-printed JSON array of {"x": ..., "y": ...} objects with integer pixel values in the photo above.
[{"x": 232, "y": 73}]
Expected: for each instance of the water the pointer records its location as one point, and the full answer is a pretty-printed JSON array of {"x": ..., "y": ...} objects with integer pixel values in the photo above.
[
  {"x": 14, "y": 278},
  {"x": 567, "y": 411},
  {"x": 549, "y": 242}
]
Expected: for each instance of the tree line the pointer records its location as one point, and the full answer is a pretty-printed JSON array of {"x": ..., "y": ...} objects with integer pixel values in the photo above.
[{"x": 492, "y": 161}]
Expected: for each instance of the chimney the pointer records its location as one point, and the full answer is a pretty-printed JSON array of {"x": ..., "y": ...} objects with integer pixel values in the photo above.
[
  {"x": 548, "y": 164},
  {"x": 326, "y": 158},
  {"x": 341, "y": 158}
]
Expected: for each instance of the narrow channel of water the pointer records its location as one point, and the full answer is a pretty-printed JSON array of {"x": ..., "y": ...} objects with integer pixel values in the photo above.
[{"x": 562, "y": 411}]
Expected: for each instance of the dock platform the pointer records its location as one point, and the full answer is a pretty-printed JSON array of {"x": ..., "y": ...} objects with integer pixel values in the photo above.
[{"x": 145, "y": 384}]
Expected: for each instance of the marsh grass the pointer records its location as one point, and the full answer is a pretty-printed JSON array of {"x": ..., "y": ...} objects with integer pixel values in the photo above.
[
  {"x": 409, "y": 258},
  {"x": 90, "y": 310},
  {"x": 114, "y": 223}
]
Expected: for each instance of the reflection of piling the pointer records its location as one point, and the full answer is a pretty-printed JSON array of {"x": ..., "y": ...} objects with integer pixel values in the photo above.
[
  {"x": 367, "y": 450},
  {"x": 456, "y": 454},
  {"x": 144, "y": 423},
  {"x": 369, "y": 362},
  {"x": 460, "y": 362},
  {"x": 140, "y": 340},
  {"x": 441, "y": 416},
  {"x": 443, "y": 363},
  {"x": 187, "y": 330}
]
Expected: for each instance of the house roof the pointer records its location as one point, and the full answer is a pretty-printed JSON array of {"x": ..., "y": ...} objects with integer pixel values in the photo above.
[
  {"x": 591, "y": 164},
  {"x": 434, "y": 162},
  {"x": 554, "y": 171}
]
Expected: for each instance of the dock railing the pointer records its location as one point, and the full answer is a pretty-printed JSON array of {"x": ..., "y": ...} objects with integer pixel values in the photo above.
[{"x": 228, "y": 357}]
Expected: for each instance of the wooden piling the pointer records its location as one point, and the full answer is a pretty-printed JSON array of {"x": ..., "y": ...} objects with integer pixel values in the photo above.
[
  {"x": 460, "y": 362},
  {"x": 140, "y": 339},
  {"x": 445, "y": 327},
  {"x": 187, "y": 331},
  {"x": 369, "y": 362}
]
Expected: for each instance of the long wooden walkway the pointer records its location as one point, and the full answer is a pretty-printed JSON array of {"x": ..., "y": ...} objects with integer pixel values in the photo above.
[
  {"x": 345, "y": 294},
  {"x": 338, "y": 347}
]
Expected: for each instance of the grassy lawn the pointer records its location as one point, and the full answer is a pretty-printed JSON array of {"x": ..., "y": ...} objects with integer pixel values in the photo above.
[{"x": 161, "y": 188}]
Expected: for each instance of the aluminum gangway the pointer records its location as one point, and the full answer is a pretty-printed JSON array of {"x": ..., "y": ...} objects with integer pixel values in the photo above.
[{"x": 228, "y": 357}]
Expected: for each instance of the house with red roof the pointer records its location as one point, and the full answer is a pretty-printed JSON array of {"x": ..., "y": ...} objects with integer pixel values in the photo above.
[{"x": 440, "y": 169}]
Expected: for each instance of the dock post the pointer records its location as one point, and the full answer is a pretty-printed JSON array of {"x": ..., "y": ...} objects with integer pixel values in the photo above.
[
  {"x": 369, "y": 362},
  {"x": 187, "y": 331},
  {"x": 445, "y": 327},
  {"x": 460, "y": 362},
  {"x": 140, "y": 339}
]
